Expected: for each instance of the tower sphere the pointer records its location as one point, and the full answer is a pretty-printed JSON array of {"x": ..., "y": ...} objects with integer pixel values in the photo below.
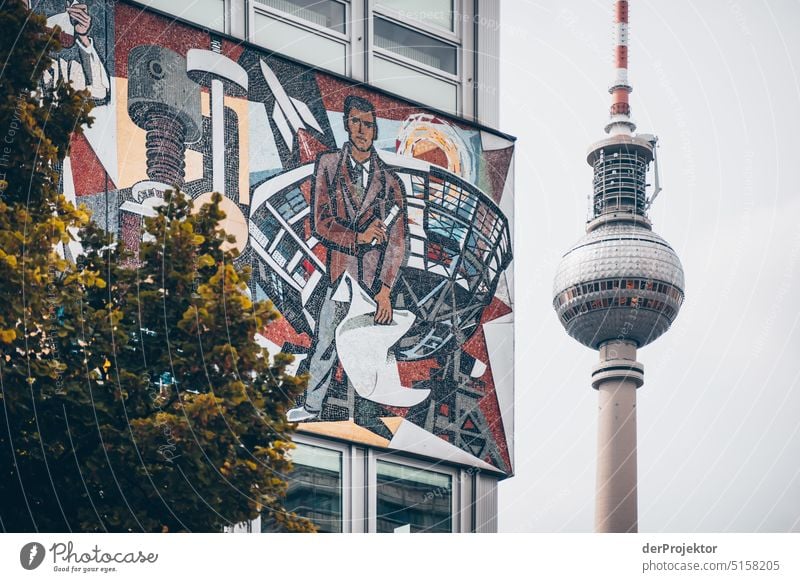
[{"x": 621, "y": 281}]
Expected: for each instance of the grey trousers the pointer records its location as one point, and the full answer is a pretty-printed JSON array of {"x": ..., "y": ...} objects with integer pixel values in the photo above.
[{"x": 322, "y": 361}]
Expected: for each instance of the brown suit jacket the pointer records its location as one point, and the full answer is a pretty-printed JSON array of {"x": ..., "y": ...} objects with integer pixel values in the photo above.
[{"x": 338, "y": 218}]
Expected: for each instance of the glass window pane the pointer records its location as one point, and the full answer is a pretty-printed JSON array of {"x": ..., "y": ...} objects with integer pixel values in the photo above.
[
  {"x": 327, "y": 13},
  {"x": 300, "y": 44},
  {"x": 315, "y": 488},
  {"x": 416, "y": 46},
  {"x": 415, "y": 85},
  {"x": 435, "y": 12},
  {"x": 207, "y": 13},
  {"x": 413, "y": 497}
]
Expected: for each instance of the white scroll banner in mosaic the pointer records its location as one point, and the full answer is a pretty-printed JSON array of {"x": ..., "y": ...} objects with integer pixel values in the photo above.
[
  {"x": 411, "y": 438},
  {"x": 364, "y": 348}
]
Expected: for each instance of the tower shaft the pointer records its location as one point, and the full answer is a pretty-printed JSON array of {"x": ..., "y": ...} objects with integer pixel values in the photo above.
[{"x": 616, "y": 379}]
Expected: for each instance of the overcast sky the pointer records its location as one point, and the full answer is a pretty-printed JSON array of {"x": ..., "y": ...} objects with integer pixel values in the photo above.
[{"x": 719, "y": 415}]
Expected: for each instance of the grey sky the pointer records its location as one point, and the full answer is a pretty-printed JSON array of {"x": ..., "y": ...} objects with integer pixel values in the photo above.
[{"x": 719, "y": 415}]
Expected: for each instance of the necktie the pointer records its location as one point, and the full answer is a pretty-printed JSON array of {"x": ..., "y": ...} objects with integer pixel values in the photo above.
[{"x": 358, "y": 173}]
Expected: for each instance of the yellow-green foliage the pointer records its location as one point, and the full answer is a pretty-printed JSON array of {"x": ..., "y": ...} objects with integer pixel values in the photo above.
[{"x": 134, "y": 397}]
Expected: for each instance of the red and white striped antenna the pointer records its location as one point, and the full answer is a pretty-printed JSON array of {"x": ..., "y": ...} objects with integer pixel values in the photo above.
[{"x": 620, "y": 122}]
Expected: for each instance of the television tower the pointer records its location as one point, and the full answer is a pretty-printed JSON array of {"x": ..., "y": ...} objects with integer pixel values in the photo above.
[{"x": 617, "y": 289}]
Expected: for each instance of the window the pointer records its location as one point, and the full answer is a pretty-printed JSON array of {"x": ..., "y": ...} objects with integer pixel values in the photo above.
[
  {"x": 415, "y": 46},
  {"x": 415, "y": 498},
  {"x": 207, "y": 13},
  {"x": 325, "y": 13},
  {"x": 417, "y": 52},
  {"x": 434, "y": 12},
  {"x": 315, "y": 487},
  {"x": 313, "y": 31}
]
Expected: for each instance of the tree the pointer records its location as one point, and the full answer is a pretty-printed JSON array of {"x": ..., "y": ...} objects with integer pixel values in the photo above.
[{"x": 134, "y": 397}]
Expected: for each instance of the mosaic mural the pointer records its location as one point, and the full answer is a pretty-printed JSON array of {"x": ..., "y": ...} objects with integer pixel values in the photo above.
[{"x": 381, "y": 231}]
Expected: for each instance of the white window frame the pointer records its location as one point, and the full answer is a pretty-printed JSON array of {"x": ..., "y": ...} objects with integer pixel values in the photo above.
[
  {"x": 461, "y": 80},
  {"x": 226, "y": 15},
  {"x": 346, "y": 477},
  {"x": 414, "y": 64},
  {"x": 454, "y": 36},
  {"x": 236, "y": 18},
  {"x": 344, "y": 39},
  {"x": 372, "y": 479}
]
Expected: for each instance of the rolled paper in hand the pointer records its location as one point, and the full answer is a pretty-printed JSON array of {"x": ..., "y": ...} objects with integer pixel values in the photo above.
[{"x": 390, "y": 218}]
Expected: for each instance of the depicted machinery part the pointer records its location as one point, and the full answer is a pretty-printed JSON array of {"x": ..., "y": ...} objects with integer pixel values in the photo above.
[
  {"x": 460, "y": 245},
  {"x": 453, "y": 412},
  {"x": 166, "y": 104},
  {"x": 223, "y": 76}
]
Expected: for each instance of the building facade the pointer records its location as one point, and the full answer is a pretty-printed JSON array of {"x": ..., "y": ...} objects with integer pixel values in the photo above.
[
  {"x": 442, "y": 53},
  {"x": 353, "y": 144}
]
